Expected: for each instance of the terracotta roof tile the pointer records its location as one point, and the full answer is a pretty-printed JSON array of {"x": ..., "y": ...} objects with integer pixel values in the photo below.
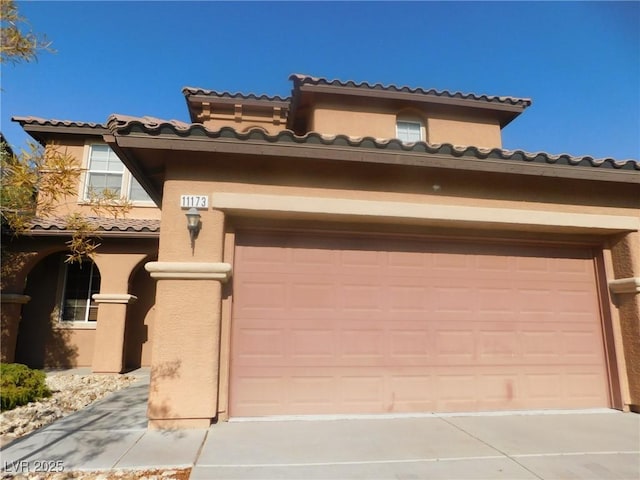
[
  {"x": 57, "y": 123},
  {"x": 300, "y": 79},
  {"x": 125, "y": 125},
  {"x": 190, "y": 91},
  {"x": 120, "y": 225},
  {"x": 153, "y": 121}
]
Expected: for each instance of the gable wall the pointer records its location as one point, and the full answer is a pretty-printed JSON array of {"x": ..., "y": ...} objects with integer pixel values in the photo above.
[
  {"x": 79, "y": 149},
  {"x": 358, "y": 119},
  {"x": 461, "y": 131}
]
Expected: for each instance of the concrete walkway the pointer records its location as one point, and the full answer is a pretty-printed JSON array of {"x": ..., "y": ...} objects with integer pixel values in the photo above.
[{"x": 111, "y": 434}]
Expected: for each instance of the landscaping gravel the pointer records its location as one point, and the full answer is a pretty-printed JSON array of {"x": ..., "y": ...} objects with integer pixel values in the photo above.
[{"x": 70, "y": 393}]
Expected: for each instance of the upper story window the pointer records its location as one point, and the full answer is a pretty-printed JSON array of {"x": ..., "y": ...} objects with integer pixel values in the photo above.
[
  {"x": 409, "y": 131},
  {"x": 105, "y": 171}
]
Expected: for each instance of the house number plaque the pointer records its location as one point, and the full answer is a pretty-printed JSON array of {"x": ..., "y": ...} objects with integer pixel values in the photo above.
[{"x": 194, "y": 201}]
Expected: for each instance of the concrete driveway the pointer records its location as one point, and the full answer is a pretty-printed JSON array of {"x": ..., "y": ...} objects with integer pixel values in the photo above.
[
  {"x": 589, "y": 445},
  {"x": 111, "y": 435}
]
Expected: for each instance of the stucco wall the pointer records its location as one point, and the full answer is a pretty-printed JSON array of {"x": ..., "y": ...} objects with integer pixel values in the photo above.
[
  {"x": 42, "y": 340},
  {"x": 331, "y": 120},
  {"x": 45, "y": 342},
  {"x": 385, "y": 183},
  {"x": 468, "y": 132},
  {"x": 441, "y": 125},
  {"x": 185, "y": 351},
  {"x": 376, "y": 183},
  {"x": 626, "y": 264},
  {"x": 74, "y": 203}
]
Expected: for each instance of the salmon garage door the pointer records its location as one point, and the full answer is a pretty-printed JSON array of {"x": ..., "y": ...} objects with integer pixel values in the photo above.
[{"x": 354, "y": 324}]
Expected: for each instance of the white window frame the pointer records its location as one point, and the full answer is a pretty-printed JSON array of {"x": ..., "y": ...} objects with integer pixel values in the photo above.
[
  {"x": 85, "y": 322},
  {"x": 413, "y": 121},
  {"x": 125, "y": 183}
]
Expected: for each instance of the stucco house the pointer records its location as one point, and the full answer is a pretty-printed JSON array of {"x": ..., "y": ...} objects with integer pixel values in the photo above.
[{"x": 354, "y": 249}]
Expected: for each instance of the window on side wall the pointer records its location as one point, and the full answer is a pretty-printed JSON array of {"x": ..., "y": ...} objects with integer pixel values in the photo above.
[
  {"x": 105, "y": 171},
  {"x": 409, "y": 131},
  {"x": 81, "y": 281}
]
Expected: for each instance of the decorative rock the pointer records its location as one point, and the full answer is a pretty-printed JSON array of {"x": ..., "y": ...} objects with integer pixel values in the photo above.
[{"x": 70, "y": 393}]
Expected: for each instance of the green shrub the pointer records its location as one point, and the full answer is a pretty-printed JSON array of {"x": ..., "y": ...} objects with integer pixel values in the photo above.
[{"x": 20, "y": 385}]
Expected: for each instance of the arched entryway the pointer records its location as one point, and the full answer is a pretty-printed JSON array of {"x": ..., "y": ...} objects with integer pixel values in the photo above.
[
  {"x": 58, "y": 325},
  {"x": 139, "y": 323}
]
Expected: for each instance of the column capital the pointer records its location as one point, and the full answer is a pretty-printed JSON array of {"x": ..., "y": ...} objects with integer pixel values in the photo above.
[
  {"x": 123, "y": 298},
  {"x": 14, "y": 298},
  {"x": 189, "y": 270},
  {"x": 625, "y": 285}
]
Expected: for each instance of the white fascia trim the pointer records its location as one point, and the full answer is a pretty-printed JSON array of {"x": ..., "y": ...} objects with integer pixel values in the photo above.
[
  {"x": 625, "y": 285},
  {"x": 420, "y": 211},
  {"x": 123, "y": 298},
  {"x": 189, "y": 270}
]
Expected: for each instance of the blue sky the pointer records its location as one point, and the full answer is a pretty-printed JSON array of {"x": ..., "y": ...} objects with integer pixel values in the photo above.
[{"x": 578, "y": 61}]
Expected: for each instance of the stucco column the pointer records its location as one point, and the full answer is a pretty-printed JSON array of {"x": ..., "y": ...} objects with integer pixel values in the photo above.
[
  {"x": 185, "y": 355},
  {"x": 11, "y": 314},
  {"x": 15, "y": 268},
  {"x": 115, "y": 269},
  {"x": 625, "y": 289},
  {"x": 108, "y": 356},
  {"x": 186, "y": 342}
]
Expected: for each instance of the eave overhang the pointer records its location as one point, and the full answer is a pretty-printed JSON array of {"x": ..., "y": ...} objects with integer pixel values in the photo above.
[
  {"x": 56, "y": 226},
  {"x": 506, "y": 109},
  {"x": 99, "y": 234},
  {"x": 197, "y": 98},
  {"x": 129, "y": 136},
  {"x": 42, "y": 130}
]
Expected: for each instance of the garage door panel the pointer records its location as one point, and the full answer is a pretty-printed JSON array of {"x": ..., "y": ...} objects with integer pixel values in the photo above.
[
  {"x": 357, "y": 344},
  {"x": 495, "y": 299},
  {"x": 581, "y": 346},
  {"x": 453, "y": 299},
  {"x": 410, "y": 345},
  {"x": 311, "y": 392},
  {"x": 494, "y": 264},
  {"x": 312, "y": 296},
  {"x": 317, "y": 344},
  {"x": 405, "y": 264},
  {"x": 360, "y": 297},
  {"x": 453, "y": 262},
  {"x": 263, "y": 294},
  {"x": 336, "y": 324},
  {"x": 497, "y": 344},
  {"x": 259, "y": 393},
  {"x": 358, "y": 390},
  {"x": 407, "y": 298},
  {"x": 318, "y": 259}
]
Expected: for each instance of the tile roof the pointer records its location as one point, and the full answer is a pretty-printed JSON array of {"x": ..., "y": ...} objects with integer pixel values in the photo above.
[
  {"x": 151, "y": 122},
  {"x": 57, "y": 123},
  {"x": 41, "y": 129},
  {"x": 125, "y": 226},
  {"x": 125, "y": 125},
  {"x": 300, "y": 79},
  {"x": 190, "y": 91}
]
